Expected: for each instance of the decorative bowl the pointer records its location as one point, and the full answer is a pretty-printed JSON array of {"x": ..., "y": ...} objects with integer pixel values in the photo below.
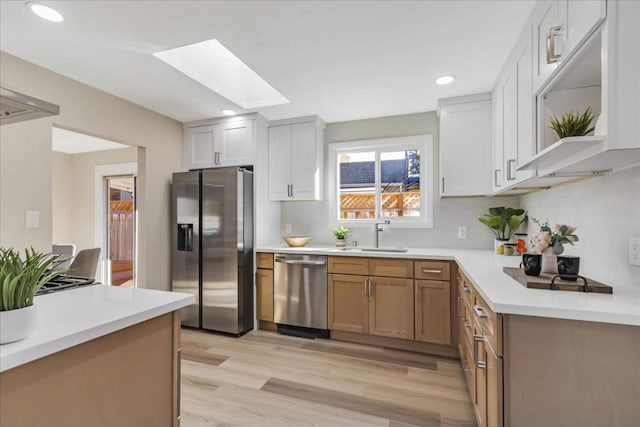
[{"x": 297, "y": 241}]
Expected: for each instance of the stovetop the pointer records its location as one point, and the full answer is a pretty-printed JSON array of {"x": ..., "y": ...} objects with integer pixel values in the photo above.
[{"x": 65, "y": 282}]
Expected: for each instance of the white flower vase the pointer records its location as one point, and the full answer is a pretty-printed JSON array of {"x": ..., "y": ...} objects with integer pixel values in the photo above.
[
  {"x": 16, "y": 325},
  {"x": 549, "y": 262},
  {"x": 340, "y": 243}
]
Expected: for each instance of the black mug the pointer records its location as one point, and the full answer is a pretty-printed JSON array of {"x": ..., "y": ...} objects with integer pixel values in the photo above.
[
  {"x": 532, "y": 264},
  {"x": 568, "y": 267}
]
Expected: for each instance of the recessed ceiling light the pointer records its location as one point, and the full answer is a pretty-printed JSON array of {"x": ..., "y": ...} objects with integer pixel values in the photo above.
[
  {"x": 45, "y": 12},
  {"x": 216, "y": 67},
  {"x": 444, "y": 80},
  {"x": 228, "y": 112}
]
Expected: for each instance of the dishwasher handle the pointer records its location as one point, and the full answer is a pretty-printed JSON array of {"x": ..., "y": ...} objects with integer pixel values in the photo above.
[{"x": 300, "y": 262}]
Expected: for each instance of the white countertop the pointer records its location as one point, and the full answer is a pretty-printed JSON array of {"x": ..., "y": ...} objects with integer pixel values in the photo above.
[
  {"x": 507, "y": 296},
  {"x": 72, "y": 317}
]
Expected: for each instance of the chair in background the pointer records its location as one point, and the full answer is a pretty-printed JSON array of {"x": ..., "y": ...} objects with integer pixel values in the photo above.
[
  {"x": 85, "y": 264},
  {"x": 65, "y": 252}
]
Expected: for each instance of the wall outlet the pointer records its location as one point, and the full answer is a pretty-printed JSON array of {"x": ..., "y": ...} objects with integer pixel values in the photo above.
[
  {"x": 287, "y": 229},
  {"x": 462, "y": 232},
  {"x": 634, "y": 251}
]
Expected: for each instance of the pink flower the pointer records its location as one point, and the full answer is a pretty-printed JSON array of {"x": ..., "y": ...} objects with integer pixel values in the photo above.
[
  {"x": 571, "y": 228},
  {"x": 541, "y": 241}
]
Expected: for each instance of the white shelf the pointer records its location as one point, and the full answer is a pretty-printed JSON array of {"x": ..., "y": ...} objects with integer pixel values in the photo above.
[{"x": 562, "y": 150}]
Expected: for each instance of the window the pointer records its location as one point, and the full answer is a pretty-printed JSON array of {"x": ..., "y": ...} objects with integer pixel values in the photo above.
[{"x": 382, "y": 179}]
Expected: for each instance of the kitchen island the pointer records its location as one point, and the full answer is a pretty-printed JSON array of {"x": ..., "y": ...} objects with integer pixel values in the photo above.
[
  {"x": 531, "y": 357},
  {"x": 99, "y": 356}
]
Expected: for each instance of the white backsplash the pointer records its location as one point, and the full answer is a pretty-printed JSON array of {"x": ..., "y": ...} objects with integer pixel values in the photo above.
[{"x": 606, "y": 211}]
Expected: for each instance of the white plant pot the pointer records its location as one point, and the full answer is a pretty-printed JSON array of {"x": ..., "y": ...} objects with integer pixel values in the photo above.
[
  {"x": 549, "y": 262},
  {"x": 16, "y": 325}
]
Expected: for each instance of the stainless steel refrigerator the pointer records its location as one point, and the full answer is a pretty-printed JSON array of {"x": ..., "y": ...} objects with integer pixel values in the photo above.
[{"x": 212, "y": 247}]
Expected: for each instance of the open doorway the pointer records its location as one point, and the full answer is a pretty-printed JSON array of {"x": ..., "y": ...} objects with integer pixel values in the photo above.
[{"x": 121, "y": 229}]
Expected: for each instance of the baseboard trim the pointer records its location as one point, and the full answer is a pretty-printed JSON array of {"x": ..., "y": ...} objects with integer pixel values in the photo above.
[
  {"x": 398, "y": 344},
  {"x": 267, "y": 326}
]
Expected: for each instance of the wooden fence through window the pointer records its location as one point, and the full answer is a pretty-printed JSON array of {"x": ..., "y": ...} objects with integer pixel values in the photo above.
[
  {"x": 362, "y": 205},
  {"x": 121, "y": 230}
]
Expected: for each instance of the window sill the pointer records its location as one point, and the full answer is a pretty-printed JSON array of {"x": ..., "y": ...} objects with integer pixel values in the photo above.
[{"x": 370, "y": 224}]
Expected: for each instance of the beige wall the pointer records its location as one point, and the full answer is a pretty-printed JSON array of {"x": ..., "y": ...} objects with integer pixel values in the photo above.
[
  {"x": 62, "y": 187},
  {"x": 312, "y": 218},
  {"x": 77, "y": 220},
  {"x": 25, "y": 183},
  {"x": 26, "y": 152}
]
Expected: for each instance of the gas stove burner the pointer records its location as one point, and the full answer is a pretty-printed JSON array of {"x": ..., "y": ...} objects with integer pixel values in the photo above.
[{"x": 64, "y": 282}]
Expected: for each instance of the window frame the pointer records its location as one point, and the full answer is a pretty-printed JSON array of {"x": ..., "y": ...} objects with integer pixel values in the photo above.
[{"x": 424, "y": 143}]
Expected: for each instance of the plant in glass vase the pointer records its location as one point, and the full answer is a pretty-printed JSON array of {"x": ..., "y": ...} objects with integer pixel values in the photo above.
[{"x": 550, "y": 243}]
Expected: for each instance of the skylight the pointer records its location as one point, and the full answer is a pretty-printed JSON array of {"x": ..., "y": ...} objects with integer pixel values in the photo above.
[{"x": 214, "y": 66}]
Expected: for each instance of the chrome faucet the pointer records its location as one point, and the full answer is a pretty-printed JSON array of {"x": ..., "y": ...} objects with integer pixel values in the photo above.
[{"x": 377, "y": 230}]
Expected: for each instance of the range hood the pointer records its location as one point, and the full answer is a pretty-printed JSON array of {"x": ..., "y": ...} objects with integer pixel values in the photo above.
[{"x": 17, "y": 107}]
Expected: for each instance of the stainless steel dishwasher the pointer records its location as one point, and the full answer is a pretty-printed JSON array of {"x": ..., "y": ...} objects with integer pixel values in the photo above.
[{"x": 300, "y": 294}]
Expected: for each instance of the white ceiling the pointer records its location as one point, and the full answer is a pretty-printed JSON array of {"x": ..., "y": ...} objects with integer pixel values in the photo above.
[
  {"x": 65, "y": 141},
  {"x": 342, "y": 60}
]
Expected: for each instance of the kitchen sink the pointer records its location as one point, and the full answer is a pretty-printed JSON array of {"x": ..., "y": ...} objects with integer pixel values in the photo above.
[{"x": 400, "y": 250}]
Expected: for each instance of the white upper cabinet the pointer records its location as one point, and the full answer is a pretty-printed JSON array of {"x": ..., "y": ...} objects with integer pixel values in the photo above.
[
  {"x": 296, "y": 159},
  {"x": 199, "y": 147},
  {"x": 498, "y": 132},
  {"x": 547, "y": 32},
  {"x": 465, "y": 146},
  {"x": 236, "y": 143},
  {"x": 226, "y": 142},
  {"x": 559, "y": 28},
  {"x": 279, "y": 162},
  {"x": 580, "y": 19}
]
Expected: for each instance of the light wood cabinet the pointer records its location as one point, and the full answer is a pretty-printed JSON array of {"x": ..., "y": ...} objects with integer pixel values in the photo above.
[
  {"x": 465, "y": 145},
  {"x": 264, "y": 295},
  {"x": 220, "y": 144},
  {"x": 432, "y": 270},
  {"x": 433, "y": 311},
  {"x": 379, "y": 297},
  {"x": 348, "y": 303},
  {"x": 264, "y": 290},
  {"x": 480, "y": 341},
  {"x": 391, "y": 307},
  {"x": 296, "y": 159}
]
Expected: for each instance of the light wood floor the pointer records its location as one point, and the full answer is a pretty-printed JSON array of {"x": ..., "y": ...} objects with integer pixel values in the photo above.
[{"x": 266, "y": 379}]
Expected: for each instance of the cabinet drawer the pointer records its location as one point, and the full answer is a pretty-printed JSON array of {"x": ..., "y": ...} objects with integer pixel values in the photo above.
[
  {"x": 469, "y": 370},
  {"x": 264, "y": 260},
  {"x": 433, "y": 270},
  {"x": 490, "y": 322},
  {"x": 465, "y": 289},
  {"x": 348, "y": 265},
  {"x": 466, "y": 322},
  {"x": 390, "y": 267}
]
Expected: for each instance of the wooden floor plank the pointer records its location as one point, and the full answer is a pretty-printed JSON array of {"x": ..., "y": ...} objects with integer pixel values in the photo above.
[
  {"x": 266, "y": 379},
  {"x": 395, "y": 412}
]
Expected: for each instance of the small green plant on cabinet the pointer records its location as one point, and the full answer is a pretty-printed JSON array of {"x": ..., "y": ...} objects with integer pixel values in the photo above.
[
  {"x": 341, "y": 232},
  {"x": 503, "y": 222},
  {"x": 21, "y": 278},
  {"x": 572, "y": 123}
]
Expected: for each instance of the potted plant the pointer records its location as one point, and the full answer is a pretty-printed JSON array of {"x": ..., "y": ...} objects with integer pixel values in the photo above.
[
  {"x": 20, "y": 279},
  {"x": 550, "y": 243},
  {"x": 503, "y": 222},
  {"x": 572, "y": 123},
  {"x": 340, "y": 233}
]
